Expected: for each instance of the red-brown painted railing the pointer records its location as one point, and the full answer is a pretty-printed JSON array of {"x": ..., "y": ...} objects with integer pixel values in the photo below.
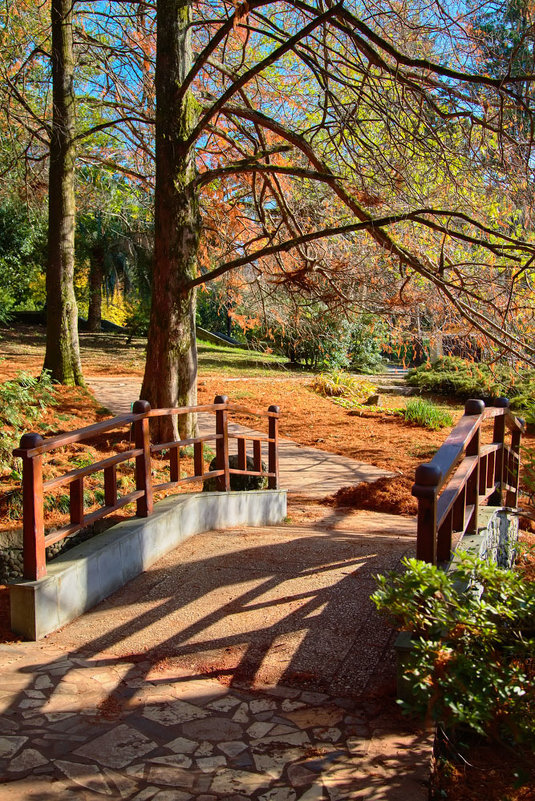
[
  {"x": 33, "y": 446},
  {"x": 465, "y": 474}
]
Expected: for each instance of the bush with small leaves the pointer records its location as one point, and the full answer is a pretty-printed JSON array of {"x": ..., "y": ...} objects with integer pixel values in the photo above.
[{"x": 473, "y": 632}]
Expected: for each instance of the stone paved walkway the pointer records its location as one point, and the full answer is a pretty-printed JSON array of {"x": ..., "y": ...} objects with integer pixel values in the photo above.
[
  {"x": 305, "y": 471},
  {"x": 246, "y": 664}
]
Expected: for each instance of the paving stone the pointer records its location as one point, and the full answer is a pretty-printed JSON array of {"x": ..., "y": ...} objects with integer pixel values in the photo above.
[
  {"x": 234, "y": 781},
  {"x": 88, "y": 776},
  {"x": 117, "y": 748},
  {"x": 330, "y": 734},
  {"x": 211, "y": 763},
  {"x": 182, "y": 745},
  {"x": 224, "y": 704},
  {"x": 123, "y": 783},
  {"x": 261, "y": 705},
  {"x": 242, "y": 714},
  {"x": 232, "y": 748},
  {"x": 172, "y": 776},
  {"x": 204, "y": 749},
  {"x": 297, "y": 738},
  {"x": 213, "y": 729},
  {"x": 318, "y": 716},
  {"x": 174, "y": 713},
  {"x": 258, "y": 730},
  {"x": 179, "y": 760},
  {"x": 26, "y": 760},
  {"x": 314, "y": 698},
  {"x": 316, "y": 793},
  {"x": 10, "y": 745},
  {"x": 279, "y": 794},
  {"x": 171, "y": 795},
  {"x": 299, "y": 776},
  {"x": 290, "y": 706}
]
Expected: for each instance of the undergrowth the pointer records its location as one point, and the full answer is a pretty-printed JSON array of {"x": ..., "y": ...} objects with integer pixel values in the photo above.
[
  {"x": 473, "y": 634},
  {"x": 343, "y": 388},
  {"x": 426, "y": 414}
]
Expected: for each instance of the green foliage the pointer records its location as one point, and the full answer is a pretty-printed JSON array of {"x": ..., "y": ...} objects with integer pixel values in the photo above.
[
  {"x": 343, "y": 388},
  {"x": 473, "y": 633},
  {"x": 22, "y": 239},
  {"x": 21, "y": 401},
  {"x": 451, "y": 375},
  {"x": 426, "y": 414},
  {"x": 368, "y": 334}
]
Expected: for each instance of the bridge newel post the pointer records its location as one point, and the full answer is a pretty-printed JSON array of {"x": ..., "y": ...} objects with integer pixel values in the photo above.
[
  {"x": 144, "y": 504},
  {"x": 427, "y": 481},
  {"x": 33, "y": 531},
  {"x": 473, "y": 407},
  {"x": 221, "y": 446},
  {"x": 273, "y": 447},
  {"x": 499, "y": 439}
]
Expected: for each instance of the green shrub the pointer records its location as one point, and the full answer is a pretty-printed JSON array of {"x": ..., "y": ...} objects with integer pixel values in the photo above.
[
  {"x": 473, "y": 652},
  {"x": 423, "y": 413},
  {"x": 461, "y": 378},
  {"x": 343, "y": 388},
  {"x": 21, "y": 401}
]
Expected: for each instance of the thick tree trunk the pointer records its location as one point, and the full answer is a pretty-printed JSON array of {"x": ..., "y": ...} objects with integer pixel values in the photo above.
[
  {"x": 171, "y": 369},
  {"x": 96, "y": 274},
  {"x": 62, "y": 355}
]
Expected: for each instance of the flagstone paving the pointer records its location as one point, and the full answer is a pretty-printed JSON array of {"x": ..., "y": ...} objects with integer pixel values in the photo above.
[{"x": 246, "y": 664}]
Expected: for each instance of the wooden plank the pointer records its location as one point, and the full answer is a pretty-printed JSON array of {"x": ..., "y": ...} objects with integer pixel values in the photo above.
[
  {"x": 74, "y": 475},
  {"x": 182, "y": 443},
  {"x": 447, "y": 456},
  {"x": 65, "y": 531},
  {"x": 174, "y": 410},
  {"x": 198, "y": 462},
  {"x": 170, "y": 484},
  {"x": 257, "y": 455},
  {"x": 76, "y": 504},
  {"x": 242, "y": 456},
  {"x": 174, "y": 464},
  {"x": 80, "y": 435},
  {"x": 110, "y": 485},
  {"x": 454, "y": 487}
]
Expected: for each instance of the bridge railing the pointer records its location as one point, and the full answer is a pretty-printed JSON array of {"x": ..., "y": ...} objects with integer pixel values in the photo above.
[
  {"x": 33, "y": 447},
  {"x": 464, "y": 474}
]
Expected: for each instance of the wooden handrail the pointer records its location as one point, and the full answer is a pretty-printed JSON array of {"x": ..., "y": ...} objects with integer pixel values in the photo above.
[
  {"x": 32, "y": 447},
  {"x": 463, "y": 474}
]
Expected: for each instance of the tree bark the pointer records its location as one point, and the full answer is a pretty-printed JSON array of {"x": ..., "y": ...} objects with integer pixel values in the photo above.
[
  {"x": 62, "y": 357},
  {"x": 96, "y": 273},
  {"x": 171, "y": 368}
]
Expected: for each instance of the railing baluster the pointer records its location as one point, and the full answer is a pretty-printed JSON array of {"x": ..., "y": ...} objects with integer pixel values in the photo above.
[
  {"x": 33, "y": 531},
  {"x": 174, "y": 464},
  {"x": 242, "y": 456},
  {"x": 221, "y": 447},
  {"x": 273, "y": 448},
  {"x": 198, "y": 465},
  {"x": 499, "y": 439},
  {"x": 474, "y": 407},
  {"x": 144, "y": 505},
  {"x": 257, "y": 455},
  {"x": 76, "y": 502},
  {"x": 110, "y": 485},
  {"x": 513, "y": 478}
]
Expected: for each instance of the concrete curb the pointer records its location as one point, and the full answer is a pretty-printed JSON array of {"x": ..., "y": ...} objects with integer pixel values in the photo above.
[{"x": 77, "y": 580}]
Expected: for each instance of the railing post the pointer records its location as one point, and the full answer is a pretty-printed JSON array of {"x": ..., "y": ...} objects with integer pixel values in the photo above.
[
  {"x": 33, "y": 531},
  {"x": 273, "y": 447},
  {"x": 499, "y": 438},
  {"x": 511, "y": 498},
  {"x": 221, "y": 447},
  {"x": 427, "y": 480},
  {"x": 474, "y": 407},
  {"x": 144, "y": 505}
]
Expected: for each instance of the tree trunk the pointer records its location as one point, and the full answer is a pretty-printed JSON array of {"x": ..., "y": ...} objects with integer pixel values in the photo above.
[
  {"x": 62, "y": 357},
  {"x": 96, "y": 273},
  {"x": 171, "y": 368}
]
